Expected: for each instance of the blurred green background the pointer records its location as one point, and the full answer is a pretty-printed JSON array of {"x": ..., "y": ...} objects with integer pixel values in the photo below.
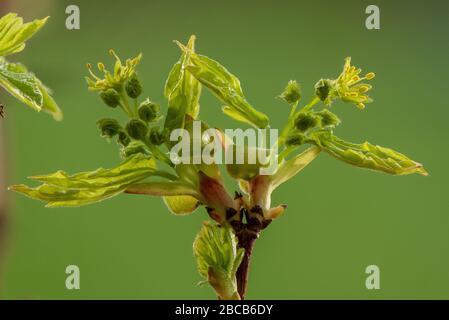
[{"x": 340, "y": 219}]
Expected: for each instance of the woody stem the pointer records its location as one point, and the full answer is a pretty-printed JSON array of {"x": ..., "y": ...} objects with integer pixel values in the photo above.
[{"x": 246, "y": 239}]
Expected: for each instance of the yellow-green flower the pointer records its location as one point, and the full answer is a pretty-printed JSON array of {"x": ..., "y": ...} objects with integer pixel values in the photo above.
[
  {"x": 348, "y": 87},
  {"x": 115, "y": 80}
]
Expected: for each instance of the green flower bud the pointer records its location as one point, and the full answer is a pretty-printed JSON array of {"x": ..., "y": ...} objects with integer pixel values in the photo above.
[
  {"x": 328, "y": 118},
  {"x": 295, "y": 139},
  {"x": 137, "y": 129},
  {"x": 306, "y": 121},
  {"x": 157, "y": 138},
  {"x": 110, "y": 97},
  {"x": 108, "y": 127},
  {"x": 323, "y": 88},
  {"x": 135, "y": 147},
  {"x": 123, "y": 138},
  {"x": 133, "y": 87},
  {"x": 149, "y": 111},
  {"x": 292, "y": 92},
  {"x": 247, "y": 170}
]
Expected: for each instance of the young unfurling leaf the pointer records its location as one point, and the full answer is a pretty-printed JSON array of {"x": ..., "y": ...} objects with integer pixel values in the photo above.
[
  {"x": 14, "y": 77},
  {"x": 291, "y": 167},
  {"x": 22, "y": 85},
  {"x": 62, "y": 190},
  {"x": 218, "y": 259},
  {"x": 26, "y": 87},
  {"x": 226, "y": 87},
  {"x": 182, "y": 91},
  {"x": 367, "y": 155},
  {"x": 14, "y": 33}
]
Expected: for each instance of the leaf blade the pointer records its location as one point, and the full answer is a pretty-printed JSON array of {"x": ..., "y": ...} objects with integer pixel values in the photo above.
[
  {"x": 62, "y": 190},
  {"x": 27, "y": 88},
  {"x": 225, "y": 86},
  {"x": 183, "y": 92},
  {"x": 14, "y": 33},
  {"x": 369, "y": 156}
]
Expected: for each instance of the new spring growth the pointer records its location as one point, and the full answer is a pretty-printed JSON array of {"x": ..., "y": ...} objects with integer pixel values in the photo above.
[
  {"x": 218, "y": 259},
  {"x": 223, "y": 244},
  {"x": 14, "y": 77},
  {"x": 306, "y": 121},
  {"x": 123, "y": 138},
  {"x": 137, "y": 129},
  {"x": 348, "y": 87},
  {"x": 135, "y": 147},
  {"x": 114, "y": 87},
  {"x": 133, "y": 87},
  {"x": 291, "y": 93},
  {"x": 110, "y": 97},
  {"x": 109, "y": 128},
  {"x": 328, "y": 119},
  {"x": 149, "y": 111},
  {"x": 115, "y": 80}
]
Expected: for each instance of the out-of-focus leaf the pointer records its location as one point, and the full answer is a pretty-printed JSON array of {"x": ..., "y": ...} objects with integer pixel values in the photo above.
[
  {"x": 218, "y": 258},
  {"x": 367, "y": 155},
  {"x": 226, "y": 87},
  {"x": 182, "y": 91},
  {"x": 14, "y": 33},
  {"x": 49, "y": 104},
  {"x": 63, "y": 190},
  {"x": 23, "y": 85}
]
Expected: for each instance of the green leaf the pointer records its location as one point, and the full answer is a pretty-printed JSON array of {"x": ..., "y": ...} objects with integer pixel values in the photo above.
[
  {"x": 291, "y": 167},
  {"x": 183, "y": 92},
  {"x": 218, "y": 258},
  {"x": 14, "y": 33},
  {"x": 24, "y": 86},
  {"x": 181, "y": 205},
  {"x": 367, "y": 155},
  {"x": 226, "y": 87},
  {"x": 49, "y": 104},
  {"x": 62, "y": 190}
]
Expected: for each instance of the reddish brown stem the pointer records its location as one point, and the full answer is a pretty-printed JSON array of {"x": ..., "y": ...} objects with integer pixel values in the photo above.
[{"x": 246, "y": 240}]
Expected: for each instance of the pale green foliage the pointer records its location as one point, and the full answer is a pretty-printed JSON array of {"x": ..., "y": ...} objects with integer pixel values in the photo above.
[
  {"x": 14, "y": 33},
  {"x": 182, "y": 91},
  {"x": 62, "y": 190},
  {"x": 21, "y": 84},
  {"x": 368, "y": 156},
  {"x": 218, "y": 258},
  {"x": 14, "y": 77},
  {"x": 185, "y": 187},
  {"x": 226, "y": 87}
]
